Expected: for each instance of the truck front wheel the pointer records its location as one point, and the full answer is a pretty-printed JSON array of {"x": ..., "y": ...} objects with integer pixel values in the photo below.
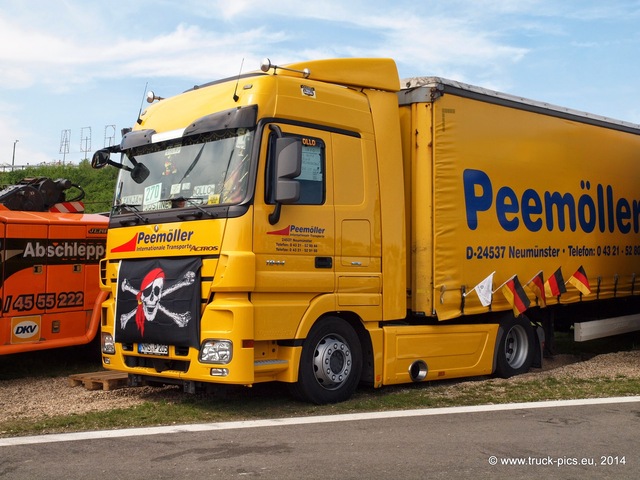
[
  {"x": 331, "y": 363},
  {"x": 516, "y": 347}
]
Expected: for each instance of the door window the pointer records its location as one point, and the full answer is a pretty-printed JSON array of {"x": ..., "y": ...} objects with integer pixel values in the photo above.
[{"x": 312, "y": 174}]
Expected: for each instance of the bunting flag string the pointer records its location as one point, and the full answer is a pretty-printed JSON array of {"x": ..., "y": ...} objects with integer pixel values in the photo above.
[{"x": 515, "y": 294}]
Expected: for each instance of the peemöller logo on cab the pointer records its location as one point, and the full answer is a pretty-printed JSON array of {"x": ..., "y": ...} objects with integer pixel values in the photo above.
[{"x": 174, "y": 239}]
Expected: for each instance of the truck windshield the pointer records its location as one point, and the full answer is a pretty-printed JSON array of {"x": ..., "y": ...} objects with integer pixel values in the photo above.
[{"x": 205, "y": 169}]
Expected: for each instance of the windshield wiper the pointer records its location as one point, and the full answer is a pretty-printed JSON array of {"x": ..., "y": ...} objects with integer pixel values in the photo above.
[
  {"x": 206, "y": 212},
  {"x": 193, "y": 163},
  {"x": 191, "y": 203},
  {"x": 131, "y": 208}
]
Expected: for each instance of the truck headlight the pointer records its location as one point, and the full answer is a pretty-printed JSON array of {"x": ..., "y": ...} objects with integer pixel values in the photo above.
[
  {"x": 216, "y": 351},
  {"x": 108, "y": 345}
]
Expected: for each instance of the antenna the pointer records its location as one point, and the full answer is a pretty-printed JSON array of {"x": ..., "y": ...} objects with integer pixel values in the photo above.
[
  {"x": 144, "y": 94},
  {"x": 85, "y": 140},
  {"x": 235, "y": 92},
  {"x": 64, "y": 143},
  {"x": 109, "y": 135}
]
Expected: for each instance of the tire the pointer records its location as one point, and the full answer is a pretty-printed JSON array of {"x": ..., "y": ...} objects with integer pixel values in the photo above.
[
  {"x": 515, "y": 348},
  {"x": 330, "y": 364}
]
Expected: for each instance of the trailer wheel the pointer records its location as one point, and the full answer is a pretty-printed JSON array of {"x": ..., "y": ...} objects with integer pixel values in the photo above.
[
  {"x": 330, "y": 364},
  {"x": 516, "y": 347}
]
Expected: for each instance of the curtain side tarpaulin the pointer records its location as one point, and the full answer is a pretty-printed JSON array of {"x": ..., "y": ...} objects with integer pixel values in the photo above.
[{"x": 517, "y": 193}]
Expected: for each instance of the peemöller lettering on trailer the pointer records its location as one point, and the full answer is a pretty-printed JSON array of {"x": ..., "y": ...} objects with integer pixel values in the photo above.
[{"x": 535, "y": 211}]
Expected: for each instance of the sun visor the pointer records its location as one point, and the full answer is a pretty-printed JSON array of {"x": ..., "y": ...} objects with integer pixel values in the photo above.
[
  {"x": 136, "y": 138},
  {"x": 241, "y": 117}
]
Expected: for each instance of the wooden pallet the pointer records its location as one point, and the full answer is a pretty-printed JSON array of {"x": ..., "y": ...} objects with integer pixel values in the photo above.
[{"x": 105, "y": 380}]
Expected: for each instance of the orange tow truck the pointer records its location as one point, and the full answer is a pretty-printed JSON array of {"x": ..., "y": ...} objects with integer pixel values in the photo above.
[{"x": 50, "y": 252}]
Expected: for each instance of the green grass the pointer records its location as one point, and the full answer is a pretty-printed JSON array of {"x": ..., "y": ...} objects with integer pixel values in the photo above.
[
  {"x": 172, "y": 407},
  {"x": 273, "y": 402}
]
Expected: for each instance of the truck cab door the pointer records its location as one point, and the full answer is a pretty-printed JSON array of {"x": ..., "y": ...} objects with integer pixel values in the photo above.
[
  {"x": 295, "y": 249},
  {"x": 358, "y": 226}
]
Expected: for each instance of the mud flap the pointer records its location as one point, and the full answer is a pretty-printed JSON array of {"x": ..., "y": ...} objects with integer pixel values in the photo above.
[{"x": 537, "y": 355}]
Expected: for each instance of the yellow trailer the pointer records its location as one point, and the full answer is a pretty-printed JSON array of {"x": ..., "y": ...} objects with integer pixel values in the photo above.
[
  {"x": 319, "y": 225},
  {"x": 516, "y": 187}
]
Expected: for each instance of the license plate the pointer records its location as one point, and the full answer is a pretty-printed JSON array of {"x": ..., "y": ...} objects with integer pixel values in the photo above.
[{"x": 153, "y": 349}]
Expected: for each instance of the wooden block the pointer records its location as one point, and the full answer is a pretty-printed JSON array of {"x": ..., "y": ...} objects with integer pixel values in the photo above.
[{"x": 105, "y": 380}]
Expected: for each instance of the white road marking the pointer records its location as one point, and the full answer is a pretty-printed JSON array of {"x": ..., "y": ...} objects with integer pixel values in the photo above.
[{"x": 347, "y": 417}]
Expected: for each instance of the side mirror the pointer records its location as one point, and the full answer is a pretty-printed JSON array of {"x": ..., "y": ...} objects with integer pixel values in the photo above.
[
  {"x": 139, "y": 173},
  {"x": 288, "y": 166},
  {"x": 100, "y": 159}
]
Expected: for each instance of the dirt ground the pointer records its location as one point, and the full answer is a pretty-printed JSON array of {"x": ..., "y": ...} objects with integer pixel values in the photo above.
[{"x": 33, "y": 398}]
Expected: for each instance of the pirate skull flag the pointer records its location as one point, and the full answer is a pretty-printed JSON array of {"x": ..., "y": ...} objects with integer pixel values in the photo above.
[{"x": 158, "y": 301}]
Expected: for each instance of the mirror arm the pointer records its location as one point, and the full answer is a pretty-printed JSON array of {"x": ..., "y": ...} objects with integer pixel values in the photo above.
[
  {"x": 276, "y": 129},
  {"x": 119, "y": 165},
  {"x": 274, "y": 217}
]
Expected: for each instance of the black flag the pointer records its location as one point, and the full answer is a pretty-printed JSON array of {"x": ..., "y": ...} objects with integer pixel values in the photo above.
[{"x": 158, "y": 301}]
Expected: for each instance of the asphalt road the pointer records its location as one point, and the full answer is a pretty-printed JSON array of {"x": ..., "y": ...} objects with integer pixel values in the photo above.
[{"x": 528, "y": 441}]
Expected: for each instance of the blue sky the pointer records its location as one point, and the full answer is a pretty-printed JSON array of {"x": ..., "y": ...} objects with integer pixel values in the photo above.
[{"x": 82, "y": 65}]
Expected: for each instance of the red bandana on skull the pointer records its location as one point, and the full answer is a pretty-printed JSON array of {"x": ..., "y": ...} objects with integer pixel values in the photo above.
[{"x": 147, "y": 281}]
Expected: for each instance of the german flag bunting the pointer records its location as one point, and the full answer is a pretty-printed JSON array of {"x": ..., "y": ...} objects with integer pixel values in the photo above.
[
  {"x": 515, "y": 295},
  {"x": 554, "y": 286},
  {"x": 536, "y": 284},
  {"x": 580, "y": 281}
]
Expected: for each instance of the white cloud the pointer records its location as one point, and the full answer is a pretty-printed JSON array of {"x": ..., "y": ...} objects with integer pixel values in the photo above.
[
  {"x": 68, "y": 63},
  {"x": 250, "y": 29},
  {"x": 187, "y": 52}
]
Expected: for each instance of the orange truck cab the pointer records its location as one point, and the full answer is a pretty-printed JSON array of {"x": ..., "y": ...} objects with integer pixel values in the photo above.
[{"x": 50, "y": 252}]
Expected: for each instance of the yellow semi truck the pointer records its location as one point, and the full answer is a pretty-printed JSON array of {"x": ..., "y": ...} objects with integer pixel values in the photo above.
[{"x": 326, "y": 224}]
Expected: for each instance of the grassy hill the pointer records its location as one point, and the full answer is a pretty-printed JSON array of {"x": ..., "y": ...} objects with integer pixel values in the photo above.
[{"x": 98, "y": 184}]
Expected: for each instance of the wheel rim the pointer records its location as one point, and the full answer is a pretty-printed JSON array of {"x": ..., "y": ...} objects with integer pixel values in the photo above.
[
  {"x": 516, "y": 347},
  {"x": 332, "y": 362}
]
